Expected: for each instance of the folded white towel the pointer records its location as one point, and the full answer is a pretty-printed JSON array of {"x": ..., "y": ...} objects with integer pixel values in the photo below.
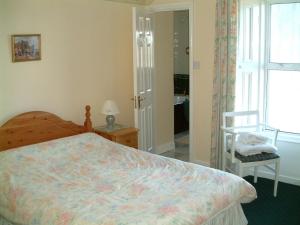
[
  {"x": 253, "y": 149},
  {"x": 248, "y": 143},
  {"x": 248, "y": 138}
]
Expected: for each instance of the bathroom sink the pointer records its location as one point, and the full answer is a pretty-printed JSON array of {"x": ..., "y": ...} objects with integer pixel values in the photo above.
[{"x": 179, "y": 99}]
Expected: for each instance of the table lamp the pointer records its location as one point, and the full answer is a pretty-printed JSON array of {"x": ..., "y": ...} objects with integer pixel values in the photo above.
[{"x": 110, "y": 109}]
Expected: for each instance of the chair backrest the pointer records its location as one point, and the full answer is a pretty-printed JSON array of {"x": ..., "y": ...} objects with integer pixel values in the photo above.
[
  {"x": 238, "y": 122},
  {"x": 235, "y": 122},
  {"x": 243, "y": 120}
]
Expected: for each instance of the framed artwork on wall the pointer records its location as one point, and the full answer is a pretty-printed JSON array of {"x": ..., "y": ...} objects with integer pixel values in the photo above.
[{"x": 26, "y": 47}]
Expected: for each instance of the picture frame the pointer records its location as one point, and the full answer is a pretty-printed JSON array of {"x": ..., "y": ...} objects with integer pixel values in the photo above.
[{"x": 26, "y": 47}]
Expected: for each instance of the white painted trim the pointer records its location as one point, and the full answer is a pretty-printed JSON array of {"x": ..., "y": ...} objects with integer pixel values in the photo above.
[
  {"x": 191, "y": 86},
  {"x": 288, "y": 137},
  {"x": 187, "y": 5},
  {"x": 282, "y": 1},
  {"x": 268, "y": 175},
  {"x": 154, "y": 93},
  {"x": 165, "y": 148},
  {"x": 134, "y": 63},
  {"x": 199, "y": 162}
]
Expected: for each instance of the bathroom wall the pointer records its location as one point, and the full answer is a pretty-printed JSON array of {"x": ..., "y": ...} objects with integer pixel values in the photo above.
[{"x": 181, "y": 42}]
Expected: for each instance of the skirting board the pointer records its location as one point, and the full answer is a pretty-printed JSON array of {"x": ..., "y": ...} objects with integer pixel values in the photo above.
[
  {"x": 268, "y": 175},
  {"x": 165, "y": 148}
]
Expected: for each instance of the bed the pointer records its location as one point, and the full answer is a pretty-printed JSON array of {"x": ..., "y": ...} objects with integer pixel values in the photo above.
[{"x": 84, "y": 179}]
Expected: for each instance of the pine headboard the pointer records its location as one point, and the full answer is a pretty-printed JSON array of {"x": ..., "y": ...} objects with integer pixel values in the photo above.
[{"x": 37, "y": 126}]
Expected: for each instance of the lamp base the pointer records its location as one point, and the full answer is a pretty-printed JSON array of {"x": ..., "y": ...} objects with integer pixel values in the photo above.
[{"x": 110, "y": 120}]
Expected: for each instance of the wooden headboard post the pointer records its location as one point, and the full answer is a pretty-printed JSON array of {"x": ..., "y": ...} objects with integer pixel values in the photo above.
[{"x": 88, "y": 122}]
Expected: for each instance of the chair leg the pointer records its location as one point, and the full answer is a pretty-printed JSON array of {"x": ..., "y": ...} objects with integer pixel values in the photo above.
[
  {"x": 224, "y": 161},
  {"x": 240, "y": 170},
  {"x": 255, "y": 174},
  {"x": 277, "y": 167}
]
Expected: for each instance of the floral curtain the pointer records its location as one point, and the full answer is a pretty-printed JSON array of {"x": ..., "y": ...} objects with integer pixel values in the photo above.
[{"x": 225, "y": 72}]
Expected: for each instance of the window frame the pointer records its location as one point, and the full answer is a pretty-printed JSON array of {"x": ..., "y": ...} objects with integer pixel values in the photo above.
[
  {"x": 263, "y": 64},
  {"x": 247, "y": 64},
  {"x": 269, "y": 65}
]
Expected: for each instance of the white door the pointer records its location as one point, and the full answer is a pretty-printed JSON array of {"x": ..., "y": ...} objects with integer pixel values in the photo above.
[{"x": 143, "y": 76}]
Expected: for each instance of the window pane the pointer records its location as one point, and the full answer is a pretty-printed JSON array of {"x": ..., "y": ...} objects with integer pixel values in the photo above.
[
  {"x": 285, "y": 33},
  {"x": 249, "y": 34},
  {"x": 283, "y": 100},
  {"x": 246, "y": 90}
]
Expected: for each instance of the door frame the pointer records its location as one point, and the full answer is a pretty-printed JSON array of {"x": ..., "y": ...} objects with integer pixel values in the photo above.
[{"x": 174, "y": 7}]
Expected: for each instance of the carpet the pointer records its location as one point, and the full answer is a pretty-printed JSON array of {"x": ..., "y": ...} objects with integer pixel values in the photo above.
[{"x": 268, "y": 210}]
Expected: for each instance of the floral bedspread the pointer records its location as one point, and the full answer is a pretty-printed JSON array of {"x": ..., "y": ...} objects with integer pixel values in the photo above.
[{"x": 87, "y": 180}]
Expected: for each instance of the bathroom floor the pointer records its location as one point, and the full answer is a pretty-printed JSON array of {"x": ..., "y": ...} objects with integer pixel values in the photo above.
[{"x": 181, "y": 147}]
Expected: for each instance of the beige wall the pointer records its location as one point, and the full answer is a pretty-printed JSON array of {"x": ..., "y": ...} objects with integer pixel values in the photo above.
[
  {"x": 86, "y": 58},
  {"x": 1, "y": 61},
  {"x": 203, "y": 51},
  {"x": 139, "y": 2},
  {"x": 163, "y": 82},
  {"x": 204, "y": 40}
]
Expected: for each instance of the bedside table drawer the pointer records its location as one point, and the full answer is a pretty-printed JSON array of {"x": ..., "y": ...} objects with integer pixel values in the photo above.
[
  {"x": 125, "y": 136},
  {"x": 105, "y": 135},
  {"x": 129, "y": 140}
]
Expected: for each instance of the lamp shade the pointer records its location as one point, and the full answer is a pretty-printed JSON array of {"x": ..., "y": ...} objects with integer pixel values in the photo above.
[{"x": 110, "y": 108}]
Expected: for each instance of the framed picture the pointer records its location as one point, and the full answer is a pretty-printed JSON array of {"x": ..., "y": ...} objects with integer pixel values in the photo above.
[{"x": 26, "y": 47}]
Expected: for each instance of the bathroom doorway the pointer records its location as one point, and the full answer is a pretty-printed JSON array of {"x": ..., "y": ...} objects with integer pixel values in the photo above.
[{"x": 172, "y": 84}]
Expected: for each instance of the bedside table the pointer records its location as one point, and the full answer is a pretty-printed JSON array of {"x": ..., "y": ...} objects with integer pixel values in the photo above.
[{"x": 120, "y": 134}]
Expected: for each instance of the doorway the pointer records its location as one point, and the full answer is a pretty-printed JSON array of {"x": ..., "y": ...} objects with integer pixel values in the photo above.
[
  {"x": 175, "y": 90},
  {"x": 171, "y": 84}
]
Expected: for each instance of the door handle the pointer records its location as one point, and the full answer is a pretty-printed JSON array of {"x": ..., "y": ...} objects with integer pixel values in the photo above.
[
  {"x": 134, "y": 100},
  {"x": 140, "y": 99}
]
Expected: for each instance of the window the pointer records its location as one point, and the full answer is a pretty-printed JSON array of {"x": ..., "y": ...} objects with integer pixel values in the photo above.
[
  {"x": 284, "y": 33},
  {"x": 268, "y": 77}
]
